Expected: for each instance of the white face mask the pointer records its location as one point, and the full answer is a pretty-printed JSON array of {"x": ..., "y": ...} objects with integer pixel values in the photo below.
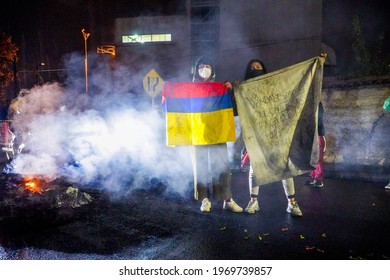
[{"x": 204, "y": 73}]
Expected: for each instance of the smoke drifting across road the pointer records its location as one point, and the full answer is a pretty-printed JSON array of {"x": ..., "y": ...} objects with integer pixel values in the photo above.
[{"x": 109, "y": 138}]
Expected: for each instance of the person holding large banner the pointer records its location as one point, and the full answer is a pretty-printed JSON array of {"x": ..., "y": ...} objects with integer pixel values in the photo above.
[
  {"x": 256, "y": 68},
  {"x": 200, "y": 115}
]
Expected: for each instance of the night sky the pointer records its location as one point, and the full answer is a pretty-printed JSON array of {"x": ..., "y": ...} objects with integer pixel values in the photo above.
[
  {"x": 337, "y": 25},
  {"x": 45, "y": 30}
]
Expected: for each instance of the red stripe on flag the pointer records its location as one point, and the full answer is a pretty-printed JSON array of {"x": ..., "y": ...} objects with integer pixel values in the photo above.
[{"x": 193, "y": 89}]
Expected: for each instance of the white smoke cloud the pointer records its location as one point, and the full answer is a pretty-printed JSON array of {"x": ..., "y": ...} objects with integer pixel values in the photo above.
[{"x": 109, "y": 140}]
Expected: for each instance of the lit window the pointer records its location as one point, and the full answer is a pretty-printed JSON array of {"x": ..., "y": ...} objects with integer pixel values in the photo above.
[{"x": 147, "y": 38}]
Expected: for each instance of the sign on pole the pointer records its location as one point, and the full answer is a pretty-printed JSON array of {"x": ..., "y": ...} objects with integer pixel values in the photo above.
[{"x": 153, "y": 83}]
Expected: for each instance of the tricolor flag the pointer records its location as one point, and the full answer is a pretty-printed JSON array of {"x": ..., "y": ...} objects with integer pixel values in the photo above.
[{"x": 198, "y": 113}]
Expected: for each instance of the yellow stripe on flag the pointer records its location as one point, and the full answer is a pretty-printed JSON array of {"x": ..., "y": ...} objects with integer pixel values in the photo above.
[{"x": 204, "y": 128}]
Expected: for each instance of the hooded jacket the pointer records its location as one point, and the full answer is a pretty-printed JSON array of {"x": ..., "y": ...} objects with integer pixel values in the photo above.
[
  {"x": 203, "y": 60},
  {"x": 249, "y": 73}
]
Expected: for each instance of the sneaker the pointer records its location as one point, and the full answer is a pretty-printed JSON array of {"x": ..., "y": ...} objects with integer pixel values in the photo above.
[
  {"x": 293, "y": 209},
  {"x": 310, "y": 182},
  {"x": 206, "y": 205},
  {"x": 253, "y": 207},
  {"x": 318, "y": 183},
  {"x": 232, "y": 206},
  {"x": 387, "y": 187}
]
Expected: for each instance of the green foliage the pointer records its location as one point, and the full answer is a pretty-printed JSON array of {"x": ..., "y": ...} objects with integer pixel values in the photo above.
[
  {"x": 367, "y": 61},
  {"x": 8, "y": 56}
]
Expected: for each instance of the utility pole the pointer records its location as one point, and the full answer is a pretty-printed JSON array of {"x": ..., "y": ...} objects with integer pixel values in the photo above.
[
  {"x": 85, "y": 35},
  {"x": 15, "y": 71}
]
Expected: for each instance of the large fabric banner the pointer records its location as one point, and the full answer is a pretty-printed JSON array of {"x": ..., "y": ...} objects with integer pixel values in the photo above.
[
  {"x": 198, "y": 113},
  {"x": 279, "y": 119}
]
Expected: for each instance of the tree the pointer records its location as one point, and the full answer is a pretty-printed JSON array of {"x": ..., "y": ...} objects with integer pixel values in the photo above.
[
  {"x": 368, "y": 61},
  {"x": 8, "y": 56}
]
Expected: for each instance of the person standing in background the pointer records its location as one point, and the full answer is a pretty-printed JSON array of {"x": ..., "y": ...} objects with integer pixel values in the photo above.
[
  {"x": 317, "y": 175},
  {"x": 386, "y": 106}
]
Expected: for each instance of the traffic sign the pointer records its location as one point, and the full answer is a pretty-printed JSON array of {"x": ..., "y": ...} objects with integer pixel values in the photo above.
[{"x": 153, "y": 83}]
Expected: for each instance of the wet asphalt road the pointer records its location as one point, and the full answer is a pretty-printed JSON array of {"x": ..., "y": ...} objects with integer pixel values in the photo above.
[{"x": 343, "y": 220}]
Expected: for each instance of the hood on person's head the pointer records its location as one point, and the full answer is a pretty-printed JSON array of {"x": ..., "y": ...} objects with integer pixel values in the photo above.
[
  {"x": 252, "y": 73},
  {"x": 196, "y": 75}
]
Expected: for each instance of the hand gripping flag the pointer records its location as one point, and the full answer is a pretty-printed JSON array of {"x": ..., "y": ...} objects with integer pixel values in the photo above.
[
  {"x": 279, "y": 119},
  {"x": 198, "y": 113}
]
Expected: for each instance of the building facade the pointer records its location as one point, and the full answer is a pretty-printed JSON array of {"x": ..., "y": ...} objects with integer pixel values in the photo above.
[{"x": 281, "y": 33}]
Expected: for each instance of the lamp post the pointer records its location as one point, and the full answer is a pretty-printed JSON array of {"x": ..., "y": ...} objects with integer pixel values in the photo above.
[
  {"x": 40, "y": 80},
  {"x": 85, "y": 35}
]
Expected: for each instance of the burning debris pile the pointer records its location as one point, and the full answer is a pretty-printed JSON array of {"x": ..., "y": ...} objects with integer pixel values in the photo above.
[{"x": 35, "y": 193}]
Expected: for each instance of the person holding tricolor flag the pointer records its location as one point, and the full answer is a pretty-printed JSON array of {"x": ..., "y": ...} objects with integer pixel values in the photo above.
[{"x": 199, "y": 114}]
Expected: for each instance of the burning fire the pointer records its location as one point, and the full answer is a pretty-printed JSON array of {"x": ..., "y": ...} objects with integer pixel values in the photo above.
[
  {"x": 44, "y": 191},
  {"x": 32, "y": 186}
]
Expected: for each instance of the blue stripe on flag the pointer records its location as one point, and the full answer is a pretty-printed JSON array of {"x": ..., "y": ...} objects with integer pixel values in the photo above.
[{"x": 198, "y": 105}]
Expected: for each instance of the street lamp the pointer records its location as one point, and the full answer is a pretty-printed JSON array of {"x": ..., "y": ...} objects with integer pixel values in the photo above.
[
  {"x": 85, "y": 35},
  {"x": 40, "y": 80}
]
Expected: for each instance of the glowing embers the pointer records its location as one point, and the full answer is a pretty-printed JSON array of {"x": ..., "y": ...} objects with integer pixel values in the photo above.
[
  {"x": 35, "y": 184},
  {"x": 29, "y": 191},
  {"x": 32, "y": 186}
]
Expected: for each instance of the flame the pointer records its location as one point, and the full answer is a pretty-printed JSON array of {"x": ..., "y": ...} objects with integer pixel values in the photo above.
[{"x": 32, "y": 185}]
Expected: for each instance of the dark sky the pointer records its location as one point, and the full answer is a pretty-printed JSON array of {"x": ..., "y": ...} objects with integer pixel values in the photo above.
[
  {"x": 337, "y": 24},
  {"x": 47, "y": 29}
]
